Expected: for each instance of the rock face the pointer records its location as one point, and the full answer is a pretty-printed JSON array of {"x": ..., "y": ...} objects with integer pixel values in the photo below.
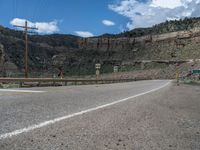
[
  {"x": 1, "y": 53},
  {"x": 146, "y": 51},
  {"x": 184, "y": 44},
  {"x": 78, "y": 56},
  {"x": 45, "y": 51}
]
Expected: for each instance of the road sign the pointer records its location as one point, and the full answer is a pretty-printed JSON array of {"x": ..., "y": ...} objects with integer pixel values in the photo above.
[
  {"x": 98, "y": 66},
  {"x": 195, "y": 71},
  {"x": 115, "y": 69}
]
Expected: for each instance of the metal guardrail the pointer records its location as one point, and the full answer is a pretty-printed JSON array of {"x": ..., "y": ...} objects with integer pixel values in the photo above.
[
  {"x": 57, "y": 80},
  {"x": 53, "y": 81}
]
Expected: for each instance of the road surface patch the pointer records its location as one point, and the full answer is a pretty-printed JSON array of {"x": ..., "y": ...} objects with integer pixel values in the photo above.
[{"x": 53, "y": 121}]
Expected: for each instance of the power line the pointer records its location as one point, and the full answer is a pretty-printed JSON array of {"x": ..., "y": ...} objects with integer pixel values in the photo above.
[
  {"x": 13, "y": 9},
  {"x": 16, "y": 8},
  {"x": 40, "y": 5}
]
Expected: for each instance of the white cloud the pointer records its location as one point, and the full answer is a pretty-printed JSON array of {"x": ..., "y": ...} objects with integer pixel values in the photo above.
[
  {"x": 166, "y": 3},
  {"x": 84, "y": 34},
  {"x": 151, "y": 12},
  {"x": 108, "y": 23},
  {"x": 42, "y": 27}
]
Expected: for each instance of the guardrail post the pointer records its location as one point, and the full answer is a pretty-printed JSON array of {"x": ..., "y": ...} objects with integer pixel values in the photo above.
[
  {"x": 54, "y": 83},
  {"x": 20, "y": 84}
]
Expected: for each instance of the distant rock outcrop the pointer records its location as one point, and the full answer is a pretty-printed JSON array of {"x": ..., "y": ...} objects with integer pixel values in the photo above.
[
  {"x": 162, "y": 46},
  {"x": 172, "y": 40}
]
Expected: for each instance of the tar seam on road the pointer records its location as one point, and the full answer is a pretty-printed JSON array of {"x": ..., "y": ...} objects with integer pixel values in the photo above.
[
  {"x": 20, "y": 91},
  {"x": 53, "y": 121}
]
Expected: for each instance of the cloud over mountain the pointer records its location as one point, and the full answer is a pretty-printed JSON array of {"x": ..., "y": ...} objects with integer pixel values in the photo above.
[
  {"x": 42, "y": 27},
  {"x": 151, "y": 12},
  {"x": 84, "y": 34}
]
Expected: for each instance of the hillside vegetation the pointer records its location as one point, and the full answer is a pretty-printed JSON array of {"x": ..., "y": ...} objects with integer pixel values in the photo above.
[
  {"x": 166, "y": 27},
  {"x": 50, "y": 53}
]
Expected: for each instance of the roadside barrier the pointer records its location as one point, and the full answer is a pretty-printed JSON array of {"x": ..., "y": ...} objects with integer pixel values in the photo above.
[{"x": 61, "y": 82}]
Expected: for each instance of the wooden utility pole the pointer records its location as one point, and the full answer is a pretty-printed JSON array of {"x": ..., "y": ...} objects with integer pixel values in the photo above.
[{"x": 26, "y": 28}]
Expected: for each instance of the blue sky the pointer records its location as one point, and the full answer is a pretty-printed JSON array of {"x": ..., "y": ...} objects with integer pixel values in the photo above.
[
  {"x": 94, "y": 17},
  {"x": 71, "y": 15}
]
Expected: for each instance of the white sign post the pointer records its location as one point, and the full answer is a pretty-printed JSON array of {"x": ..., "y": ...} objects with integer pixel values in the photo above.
[
  {"x": 98, "y": 67},
  {"x": 115, "y": 69}
]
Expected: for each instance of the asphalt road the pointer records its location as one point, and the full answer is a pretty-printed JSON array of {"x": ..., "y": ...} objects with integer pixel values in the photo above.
[{"x": 136, "y": 115}]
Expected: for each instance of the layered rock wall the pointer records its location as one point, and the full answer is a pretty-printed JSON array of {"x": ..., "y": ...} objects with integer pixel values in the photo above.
[
  {"x": 78, "y": 56},
  {"x": 170, "y": 46}
]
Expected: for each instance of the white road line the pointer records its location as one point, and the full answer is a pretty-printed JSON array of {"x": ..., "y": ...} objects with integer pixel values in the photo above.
[
  {"x": 46, "y": 123},
  {"x": 20, "y": 91}
]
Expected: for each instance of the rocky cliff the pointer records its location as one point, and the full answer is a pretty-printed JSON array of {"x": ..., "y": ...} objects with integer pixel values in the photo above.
[
  {"x": 174, "y": 45},
  {"x": 77, "y": 56}
]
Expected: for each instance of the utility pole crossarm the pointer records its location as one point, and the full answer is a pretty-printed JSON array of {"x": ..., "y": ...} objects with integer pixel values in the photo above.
[{"x": 33, "y": 28}]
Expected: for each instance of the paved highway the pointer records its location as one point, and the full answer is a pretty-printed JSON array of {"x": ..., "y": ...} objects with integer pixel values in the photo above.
[{"x": 88, "y": 117}]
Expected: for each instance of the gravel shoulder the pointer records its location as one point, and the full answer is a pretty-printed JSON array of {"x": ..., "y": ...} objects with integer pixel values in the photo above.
[{"x": 166, "y": 119}]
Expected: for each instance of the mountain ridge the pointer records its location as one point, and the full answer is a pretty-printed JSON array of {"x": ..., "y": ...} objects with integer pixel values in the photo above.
[{"x": 76, "y": 56}]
